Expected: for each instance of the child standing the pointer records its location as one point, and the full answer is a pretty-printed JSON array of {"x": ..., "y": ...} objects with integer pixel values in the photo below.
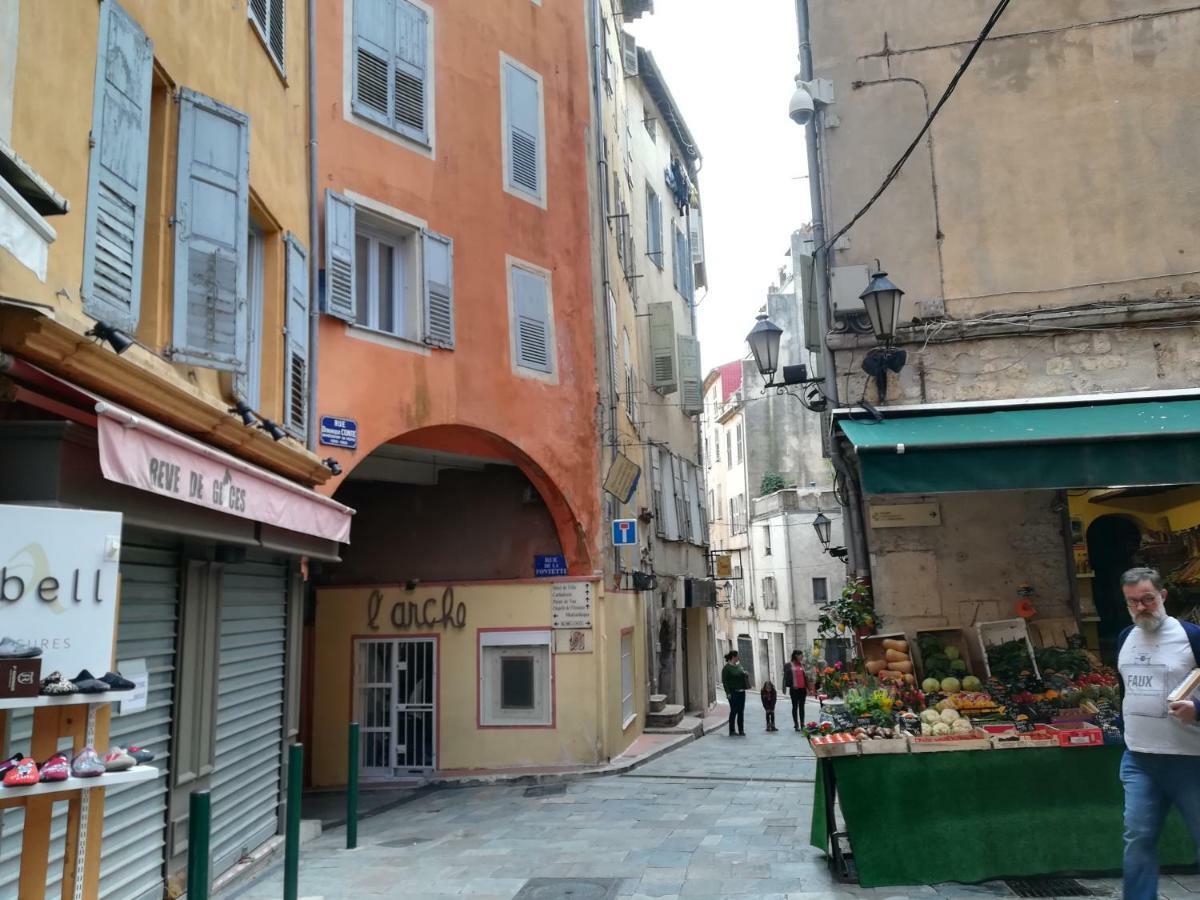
[{"x": 768, "y": 701}]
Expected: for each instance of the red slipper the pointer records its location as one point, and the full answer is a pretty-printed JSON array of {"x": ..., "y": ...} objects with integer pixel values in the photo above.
[
  {"x": 23, "y": 773},
  {"x": 56, "y": 768}
]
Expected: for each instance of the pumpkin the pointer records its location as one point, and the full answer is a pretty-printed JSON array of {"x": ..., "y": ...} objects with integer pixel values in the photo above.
[
  {"x": 895, "y": 656},
  {"x": 875, "y": 666},
  {"x": 889, "y": 644}
]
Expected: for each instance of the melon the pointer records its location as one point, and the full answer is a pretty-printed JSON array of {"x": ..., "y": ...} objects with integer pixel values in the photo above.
[
  {"x": 931, "y": 685},
  {"x": 971, "y": 683},
  {"x": 951, "y": 652},
  {"x": 951, "y": 686}
]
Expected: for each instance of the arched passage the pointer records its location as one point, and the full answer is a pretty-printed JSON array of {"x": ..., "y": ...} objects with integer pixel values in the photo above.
[{"x": 455, "y": 503}]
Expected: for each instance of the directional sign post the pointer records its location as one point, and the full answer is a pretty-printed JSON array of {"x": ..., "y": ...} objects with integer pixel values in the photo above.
[{"x": 625, "y": 532}]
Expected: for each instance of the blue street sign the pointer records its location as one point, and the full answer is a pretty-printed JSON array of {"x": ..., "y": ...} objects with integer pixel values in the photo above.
[
  {"x": 549, "y": 566},
  {"x": 337, "y": 432},
  {"x": 625, "y": 532}
]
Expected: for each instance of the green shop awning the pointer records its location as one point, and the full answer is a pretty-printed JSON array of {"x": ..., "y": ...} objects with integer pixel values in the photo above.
[{"x": 1100, "y": 445}]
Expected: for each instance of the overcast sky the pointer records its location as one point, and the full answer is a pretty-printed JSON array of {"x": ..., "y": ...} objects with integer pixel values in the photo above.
[{"x": 730, "y": 67}]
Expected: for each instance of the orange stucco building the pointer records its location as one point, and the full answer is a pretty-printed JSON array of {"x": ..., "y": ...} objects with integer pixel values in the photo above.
[{"x": 457, "y": 335}]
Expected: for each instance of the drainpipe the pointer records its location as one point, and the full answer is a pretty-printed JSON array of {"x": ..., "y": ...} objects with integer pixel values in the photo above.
[
  {"x": 856, "y": 540},
  {"x": 314, "y": 256}
]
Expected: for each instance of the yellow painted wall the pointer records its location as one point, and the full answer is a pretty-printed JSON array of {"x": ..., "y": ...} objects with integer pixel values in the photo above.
[
  {"x": 621, "y": 611},
  {"x": 209, "y": 46},
  {"x": 586, "y": 686}
]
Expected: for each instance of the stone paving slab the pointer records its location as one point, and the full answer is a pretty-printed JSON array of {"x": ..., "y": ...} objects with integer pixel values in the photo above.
[{"x": 718, "y": 817}]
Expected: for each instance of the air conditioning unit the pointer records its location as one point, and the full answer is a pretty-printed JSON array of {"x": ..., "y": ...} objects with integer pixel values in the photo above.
[{"x": 846, "y": 283}]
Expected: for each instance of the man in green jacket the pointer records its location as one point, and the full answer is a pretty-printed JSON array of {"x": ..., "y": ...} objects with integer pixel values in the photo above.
[{"x": 735, "y": 681}]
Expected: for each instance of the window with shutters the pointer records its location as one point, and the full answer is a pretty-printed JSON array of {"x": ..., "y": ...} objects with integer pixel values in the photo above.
[
  {"x": 717, "y": 443},
  {"x": 523, "y": 131},
  {"x": 391, "y": 61},
  {"x": 212, "y": 231},
  {"x": 654, "y": 239},
  {"x": 387, "y": 275},
  {"x": 770, "y": 593},
  {"x": 267, "y": 17},
  {"x": 729, "y": 446},
  {"x": 739, "y": 442},
  {"x": 681, "y": 267},
  {"x": 628, "y": 712},
  {"x": 531, "y": 314},
  {"x": 631, "y": 398},
  {"x": 249, "y": 386},
  {"x": 296, "y": 331},
  {"x": 766, "y": 537}
]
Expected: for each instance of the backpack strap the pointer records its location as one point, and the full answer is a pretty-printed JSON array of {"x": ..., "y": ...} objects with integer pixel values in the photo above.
[
  {"x": 1124, "y": 636},
  {"x": 1193, "y": 633}
]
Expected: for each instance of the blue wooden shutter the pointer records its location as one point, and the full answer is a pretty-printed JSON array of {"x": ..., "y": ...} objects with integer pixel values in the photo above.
[
  {"x": 524, "y": 130},
  {"x": 116, "y": 203},
  {"x": 212, "y": 197},
  {"x": 374, "y": 67},
  {"x": 295, "y": 376},
  {"x": 531, "y": 303},
  {"x": 411, "y": 72},
  {"x": 339, "y": 256},
  {"x": 439, "y": 290}
]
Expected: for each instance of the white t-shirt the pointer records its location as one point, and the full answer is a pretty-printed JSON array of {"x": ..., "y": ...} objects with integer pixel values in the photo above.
[{"x": 1152, "y": 664}]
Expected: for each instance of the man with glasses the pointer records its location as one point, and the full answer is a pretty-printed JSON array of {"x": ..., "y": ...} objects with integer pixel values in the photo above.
[{"x": 1161, "y": 765}]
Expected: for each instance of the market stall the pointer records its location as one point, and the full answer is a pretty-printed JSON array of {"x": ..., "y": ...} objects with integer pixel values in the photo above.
[{"x": 911, "y": 746}]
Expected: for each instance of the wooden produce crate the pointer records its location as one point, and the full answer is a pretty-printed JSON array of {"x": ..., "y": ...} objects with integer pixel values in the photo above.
[
  {"x": 883, "y": 745},
  {"x": 976, "y": 740},
  {"x": 1083, "y": 735},
  {"x": 838, "y": 744},
  {"x": 949, "y": 637},
  {"x": 873, "y": 650},
  {"x": 993, "y": 633},
  {"x": 1010, "y": 739}
]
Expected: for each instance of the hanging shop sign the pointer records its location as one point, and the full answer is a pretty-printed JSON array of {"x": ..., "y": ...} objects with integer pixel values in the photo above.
[
  {"x": 58, "y": 584},
  {"x": 905, "y": 515},
  {"x": 571, "y": 605},
  {"x": 337, "y": 432}
]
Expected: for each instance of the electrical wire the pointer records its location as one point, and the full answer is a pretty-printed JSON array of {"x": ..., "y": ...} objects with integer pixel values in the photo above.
[{"x": 894, "y": 172}]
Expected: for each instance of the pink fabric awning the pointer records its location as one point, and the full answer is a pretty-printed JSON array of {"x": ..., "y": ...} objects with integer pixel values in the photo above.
[{"x": 143, "y": 454}]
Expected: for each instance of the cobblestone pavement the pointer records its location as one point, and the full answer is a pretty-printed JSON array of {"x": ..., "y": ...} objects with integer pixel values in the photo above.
[{"x": 720, "y": 817}]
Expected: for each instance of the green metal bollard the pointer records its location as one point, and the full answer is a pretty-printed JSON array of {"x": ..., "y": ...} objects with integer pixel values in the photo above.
[
  {"x": 291, "y": 847},
  {"x": 352, "y": 790},
  {"x": 199, "y": 862}
]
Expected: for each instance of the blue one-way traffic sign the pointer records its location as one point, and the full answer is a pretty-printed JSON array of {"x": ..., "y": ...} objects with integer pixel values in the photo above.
[{"x": 625, "y": 532}]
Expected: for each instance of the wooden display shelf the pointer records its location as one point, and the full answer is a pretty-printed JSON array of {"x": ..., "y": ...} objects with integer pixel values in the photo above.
[
  {"x": 108, "y": 779},
  {"x": 64, "y": 700}
]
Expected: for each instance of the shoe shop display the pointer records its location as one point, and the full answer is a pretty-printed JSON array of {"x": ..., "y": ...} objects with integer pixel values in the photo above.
[
  {"x": 11, "y": 649},
  {"x": 117, "y": 760},
  {"x": 56, "y": 768},
  {"x": 140, "y": 755},
  {"x": 86, "y": 683},
  {"x": 23, "y": 773},
  {"x": 116, "y": 682},
  {"x": 54, "y": 685},
  {"x": 9, "y": 763},
  {"x": 87, "y": 764}
]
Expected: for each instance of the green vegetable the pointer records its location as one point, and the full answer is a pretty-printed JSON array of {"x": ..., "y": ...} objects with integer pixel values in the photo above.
[
  {"x": 957, "y": 665},
  {"x": 931, "y": 685},
  {"x": 951, "y": 685},
  {"x": 971, "y": 683},
  {"x": 1008, "y": 660},
  {"x": 951, "y": 652}
]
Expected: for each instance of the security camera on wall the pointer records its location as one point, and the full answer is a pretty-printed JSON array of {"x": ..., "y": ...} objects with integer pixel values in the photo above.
[{"x": 801, "y": 109}]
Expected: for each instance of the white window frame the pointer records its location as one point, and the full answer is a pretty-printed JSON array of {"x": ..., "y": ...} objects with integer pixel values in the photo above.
[
  {"x": 538, "y": 199},
  {"x": 535, "y": 641},
  {"x": 349, "y": 115},
  {"x": 766, "y": 540},
  {"x": 407, "y": 294},
  {"x": 260, "y": 28},
  {"x": 825, "y": 583},
  {"x": 551, "y": 377},
  {"x": 628, "y": 707}
]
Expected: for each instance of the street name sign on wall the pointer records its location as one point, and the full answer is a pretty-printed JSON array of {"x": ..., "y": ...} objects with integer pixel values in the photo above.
[
  {"x": 571, "y": 605},
  {"x": 905, "y": 515},
  {"x": 337, "y": 432},
  {"x": 549, "y": 566},
  {"x": 58, "y": 584},
  {"x": 625, "y": 532}
]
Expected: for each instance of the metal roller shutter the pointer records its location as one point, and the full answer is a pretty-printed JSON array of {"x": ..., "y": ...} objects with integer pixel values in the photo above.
[
  {"x": 250, "y": 709},
  {"x": 135, "y": 816}
]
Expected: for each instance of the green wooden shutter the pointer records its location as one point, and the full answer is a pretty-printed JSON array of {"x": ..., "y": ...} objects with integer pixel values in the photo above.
[
  {"x": 524, "y": 130},
  {"x": 116, "y": 204},
  {"x": 531, "y": 303},
  {"x": 663, "y": 373},
  {"x": 212, "y": 197},
  {"x": 691, "y": 391},
  {"x": 439, "y": 290},
  {"x": 410, "y": 109},
  {"x": 374, "y": 40},
  {"x": 295, "y": 376},
  {"x": 339, "y": 256}
]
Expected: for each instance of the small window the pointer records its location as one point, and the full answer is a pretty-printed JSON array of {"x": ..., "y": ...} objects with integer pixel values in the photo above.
[
  {"x": 717, "y": 443},
  {"x": 628, "y": 713},
  {"x": 766, "y": 533},
  {"x": 524, "y": 145},
  {"x": 249, "y": 385},
  {"x": 729, "y": 445},
  {"x": 268, "y": 19},
  {"x": 651, "y": 125},
  {"x": 385, "y": 268},
  {"x": 739, "y": 442},
  {"x": 515, "y": 678},
  {"x": 654, "y": 240},
  {"x": 532, "y": 319},
  {"x": 391, "y": 80},
  {"x": 769, "y": 594},
  {"x": 820, "y": 591}
]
